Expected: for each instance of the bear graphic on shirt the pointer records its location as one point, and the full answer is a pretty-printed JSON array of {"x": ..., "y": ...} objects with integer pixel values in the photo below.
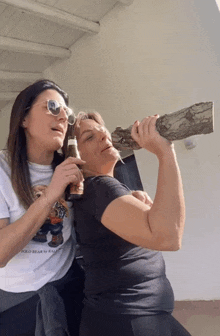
[{"x": 54, "y": 222}]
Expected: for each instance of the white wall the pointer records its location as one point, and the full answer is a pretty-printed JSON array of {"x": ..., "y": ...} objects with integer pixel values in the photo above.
[
  {"x": 158, "y": 57},
  {"x": 4, "y": 124}
]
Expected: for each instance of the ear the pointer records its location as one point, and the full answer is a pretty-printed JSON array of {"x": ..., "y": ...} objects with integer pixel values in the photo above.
[{"x": 24, "y": 123}]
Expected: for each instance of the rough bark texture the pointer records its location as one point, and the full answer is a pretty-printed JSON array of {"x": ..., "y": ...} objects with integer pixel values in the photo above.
[{"x": 196, "y": 119}]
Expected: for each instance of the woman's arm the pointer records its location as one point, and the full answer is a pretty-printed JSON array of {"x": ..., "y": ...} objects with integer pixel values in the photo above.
[
  {"x": 142, "y": 196},
  {"x": 14, "y": 237},
  {"x": 159, "y": 227}
]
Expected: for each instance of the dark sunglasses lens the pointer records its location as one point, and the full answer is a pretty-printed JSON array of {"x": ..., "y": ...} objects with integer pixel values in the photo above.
[{"x": 53, "y": 107}]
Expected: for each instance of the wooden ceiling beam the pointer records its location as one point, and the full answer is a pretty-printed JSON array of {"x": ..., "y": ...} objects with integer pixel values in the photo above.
[
  {"x": 11, "y": 44},
  {"x": 54, "y": 15},
  {"x": 28, "y": 77}
]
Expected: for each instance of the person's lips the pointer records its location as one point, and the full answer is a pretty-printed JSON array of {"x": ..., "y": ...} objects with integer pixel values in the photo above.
[
  {"x": 58, "y": 129},
  {"x": 106, "y": 147}
]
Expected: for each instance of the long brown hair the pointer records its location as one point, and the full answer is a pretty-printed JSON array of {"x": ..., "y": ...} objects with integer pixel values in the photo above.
[{"x": 16, "y": 143}]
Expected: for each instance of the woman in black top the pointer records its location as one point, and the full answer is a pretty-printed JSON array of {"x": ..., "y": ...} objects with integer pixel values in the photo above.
[{"x": 126, "y": 289}]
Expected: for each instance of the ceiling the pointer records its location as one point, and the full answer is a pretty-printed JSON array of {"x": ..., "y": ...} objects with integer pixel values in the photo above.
[{"x": 36, "y": 33}]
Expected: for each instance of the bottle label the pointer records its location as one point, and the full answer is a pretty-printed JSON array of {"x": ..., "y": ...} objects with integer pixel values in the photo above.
[
  {"x": 72, "y": 142},
  {"x": 76, "y": 189}
]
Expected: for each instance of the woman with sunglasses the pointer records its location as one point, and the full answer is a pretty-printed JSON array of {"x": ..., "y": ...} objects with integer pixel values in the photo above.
[
  {"x": 127, "y": 292},
  {"x": 40, "y": 281}
]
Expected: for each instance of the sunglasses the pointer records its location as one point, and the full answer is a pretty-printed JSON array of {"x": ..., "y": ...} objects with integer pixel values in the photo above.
[{"x": 54, "y": 108}]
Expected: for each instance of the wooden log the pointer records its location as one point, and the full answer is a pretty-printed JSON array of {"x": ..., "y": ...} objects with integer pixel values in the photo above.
[{"x": 196, "y": 119}]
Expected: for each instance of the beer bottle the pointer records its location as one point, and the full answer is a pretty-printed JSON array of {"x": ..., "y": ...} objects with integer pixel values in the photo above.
[{"x": 76, "y": 191}]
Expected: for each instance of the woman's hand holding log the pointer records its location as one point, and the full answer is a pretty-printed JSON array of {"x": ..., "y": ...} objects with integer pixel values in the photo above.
[
  {"x": 146, "y": 136},
  {"x": 196, "y": 119}
]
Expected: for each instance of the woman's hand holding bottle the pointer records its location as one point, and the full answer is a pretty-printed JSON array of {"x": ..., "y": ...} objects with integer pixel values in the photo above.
[{"x": 65, "y": 173}]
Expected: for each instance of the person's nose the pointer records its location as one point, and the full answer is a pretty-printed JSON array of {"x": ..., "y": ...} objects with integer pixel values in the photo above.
[
  {"x": 102, "y": 134},
  {"x": 63, "y": 114}
]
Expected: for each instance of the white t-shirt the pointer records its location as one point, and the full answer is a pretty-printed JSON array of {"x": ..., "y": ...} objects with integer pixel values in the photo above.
[{"x": 38, "y": 262}]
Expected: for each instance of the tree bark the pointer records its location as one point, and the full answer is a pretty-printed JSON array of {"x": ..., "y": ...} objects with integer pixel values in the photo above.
[{"x": 196, "y": 119}]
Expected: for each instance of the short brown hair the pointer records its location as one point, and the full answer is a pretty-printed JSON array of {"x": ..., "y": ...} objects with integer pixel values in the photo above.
[{"x": 85, "y": 115}]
